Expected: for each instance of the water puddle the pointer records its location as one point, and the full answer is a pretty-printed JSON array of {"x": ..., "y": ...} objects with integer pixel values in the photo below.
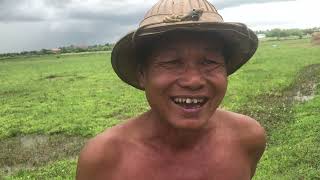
[
  {"x": 27, "y": 152},
  {"x": 305, "y": 86},
  {"x": 300, "y": 97},
  {"x": 274, "y": 109},
  {"x": 33, "y": 141}
]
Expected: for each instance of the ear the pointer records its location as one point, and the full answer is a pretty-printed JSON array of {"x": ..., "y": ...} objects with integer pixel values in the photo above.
[{"x": 141, "y": 74}]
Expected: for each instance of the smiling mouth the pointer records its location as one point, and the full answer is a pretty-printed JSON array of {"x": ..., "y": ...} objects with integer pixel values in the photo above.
[{"x": 189, "y": 102}]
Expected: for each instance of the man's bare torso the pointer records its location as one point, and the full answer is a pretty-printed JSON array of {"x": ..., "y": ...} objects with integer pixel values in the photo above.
[{"x": 229, "y": 151}]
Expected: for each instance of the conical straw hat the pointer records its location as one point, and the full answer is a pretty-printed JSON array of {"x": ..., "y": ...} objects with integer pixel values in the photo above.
[{"x": 184, "y": 15}]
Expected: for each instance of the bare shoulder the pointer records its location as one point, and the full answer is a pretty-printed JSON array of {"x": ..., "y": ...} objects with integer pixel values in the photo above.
[
  {"x": 100, "y": 152},
  {"x": 100, "y": 155},
  {"x": 249, "y": 133},
  {"x": 246, "y": 128}
]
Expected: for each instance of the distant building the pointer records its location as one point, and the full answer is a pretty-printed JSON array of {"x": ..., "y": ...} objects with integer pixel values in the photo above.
[
  {"x": 315, "y": 39},
  {"x": 56, "y": 50},
  {"x": 261, "y": 36}
]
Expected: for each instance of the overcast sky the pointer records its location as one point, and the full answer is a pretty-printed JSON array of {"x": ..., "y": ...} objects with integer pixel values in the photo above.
[{"x": 37, "y": 24}]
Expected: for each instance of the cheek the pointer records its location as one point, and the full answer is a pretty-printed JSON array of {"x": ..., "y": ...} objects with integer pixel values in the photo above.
[
  {"x": 222, "y": 79},
  {"x": 220, "y": 82},
  {"x": 158, "y": 80}
]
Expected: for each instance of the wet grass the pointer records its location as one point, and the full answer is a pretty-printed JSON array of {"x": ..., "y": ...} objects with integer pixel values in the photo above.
[
  {"x": 78, "y": 96},
  {"x": 32, "y": 151},
  {"x": 66, "y": 100},
  {"x": 291, "y": 118},
  {"x": 294, "y": 147},
  {"x": 274, "y": 109}
]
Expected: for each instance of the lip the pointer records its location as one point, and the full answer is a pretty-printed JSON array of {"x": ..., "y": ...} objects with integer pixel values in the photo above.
[
  {"x": 189, "y": 96},
  {"x": 190, "y": 111}
]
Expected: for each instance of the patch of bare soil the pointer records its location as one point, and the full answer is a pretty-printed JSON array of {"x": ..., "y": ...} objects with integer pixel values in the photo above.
[
  {"x": 63, "y": 77},
  {"x": 28, "y": 152},
  {"x": 304, "y": 88},
  {"x": 274, "y": 109}
]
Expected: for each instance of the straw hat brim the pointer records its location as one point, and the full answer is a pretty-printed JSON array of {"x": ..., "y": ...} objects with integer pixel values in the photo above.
[{"x": 241, "y": 41}]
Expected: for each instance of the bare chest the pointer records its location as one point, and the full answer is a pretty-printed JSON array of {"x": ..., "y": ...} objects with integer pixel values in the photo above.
[{"x": 220, "y": 163}]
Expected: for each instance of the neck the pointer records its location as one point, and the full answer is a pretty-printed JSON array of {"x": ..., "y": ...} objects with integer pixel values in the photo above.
[{"x": 164, "y": 134}]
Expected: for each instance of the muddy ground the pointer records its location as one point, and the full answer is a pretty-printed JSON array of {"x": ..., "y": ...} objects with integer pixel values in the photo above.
[
  {"x": 31, "y": 151},
  {"x": 272, "y": 109}
]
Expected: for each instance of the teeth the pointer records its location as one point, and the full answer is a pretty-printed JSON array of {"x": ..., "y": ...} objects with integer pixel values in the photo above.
[{"x": 188, "y": 100}]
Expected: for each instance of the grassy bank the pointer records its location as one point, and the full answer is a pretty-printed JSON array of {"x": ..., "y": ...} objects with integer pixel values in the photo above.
[
  {"x": 80, "y": 96},
  {"x": 294, "y": 146}
]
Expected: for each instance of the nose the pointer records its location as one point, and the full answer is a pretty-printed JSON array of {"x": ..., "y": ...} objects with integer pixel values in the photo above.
[{"x": 191, "y": 78}]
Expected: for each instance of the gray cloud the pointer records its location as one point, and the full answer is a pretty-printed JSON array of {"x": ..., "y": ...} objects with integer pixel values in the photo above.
[
  {"x": 125, "y": 11},
  {"x": 36, "y": 24},
  {"x": 57, "y": 3},
  {"x": 221, "y": 4},
  {"x": 112, "y": 17},
  {"x": 38, "y": 35}
]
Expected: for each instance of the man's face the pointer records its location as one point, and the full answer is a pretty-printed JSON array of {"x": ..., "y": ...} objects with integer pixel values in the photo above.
[{"x": 185, "y": 80}]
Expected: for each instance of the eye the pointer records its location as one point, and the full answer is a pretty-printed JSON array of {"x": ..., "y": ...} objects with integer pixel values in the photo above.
[
  {"x": 173, "y": 62},
  {"x": 169, "y": 63},
  {"x": 209, "y": 62}
]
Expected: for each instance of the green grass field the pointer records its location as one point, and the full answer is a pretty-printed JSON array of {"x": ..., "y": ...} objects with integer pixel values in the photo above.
[{"x": 49, "y": 107}]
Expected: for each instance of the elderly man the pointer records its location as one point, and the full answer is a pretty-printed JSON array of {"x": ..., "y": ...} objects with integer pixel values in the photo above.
[{"x": 181, "y": 57}]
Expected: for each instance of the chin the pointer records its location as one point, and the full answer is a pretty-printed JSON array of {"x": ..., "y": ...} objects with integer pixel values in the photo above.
[
  {"x": 186, "y": 113},
  {"x": 190, "y": 117},
  {"x": 188, "y": 121}
]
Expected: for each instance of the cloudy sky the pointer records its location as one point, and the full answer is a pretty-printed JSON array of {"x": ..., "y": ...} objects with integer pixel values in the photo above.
[{"x": 37, "y": 24}]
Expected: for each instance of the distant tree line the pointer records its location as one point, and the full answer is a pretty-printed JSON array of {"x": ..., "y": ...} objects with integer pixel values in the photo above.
[
  {"x": 93, "y": 48},
  {"x": 61, "y": 50},
  {"x": 283, "y": 33},
  {"x": 275, "y": 33}
]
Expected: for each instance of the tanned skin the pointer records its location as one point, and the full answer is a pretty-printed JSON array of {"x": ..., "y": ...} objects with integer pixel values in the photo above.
[{"x": 172, "y": 141}]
